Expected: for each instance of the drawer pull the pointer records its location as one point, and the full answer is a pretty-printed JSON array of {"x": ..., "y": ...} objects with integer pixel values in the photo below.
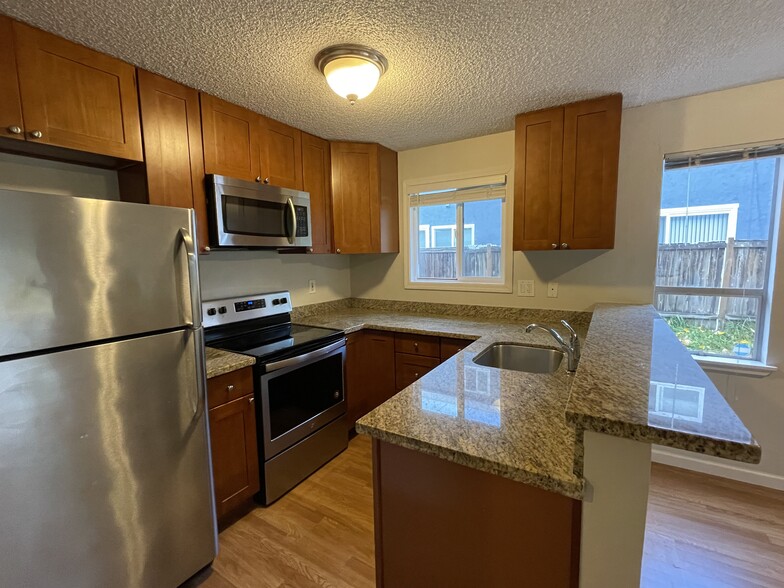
[{"x": 230, "y": 388}]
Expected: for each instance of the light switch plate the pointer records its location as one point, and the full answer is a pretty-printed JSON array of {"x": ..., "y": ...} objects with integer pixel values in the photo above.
[
  {"x": 552, "y": 289},
  {"x": 525, "y": 287}
]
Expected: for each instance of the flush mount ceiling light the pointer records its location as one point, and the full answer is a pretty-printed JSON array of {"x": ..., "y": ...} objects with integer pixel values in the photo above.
[{"x": 352, "y": 71}]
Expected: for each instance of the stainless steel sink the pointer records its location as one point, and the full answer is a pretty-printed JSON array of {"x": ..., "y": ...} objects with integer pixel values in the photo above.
[{"x": 522, "y": 358}]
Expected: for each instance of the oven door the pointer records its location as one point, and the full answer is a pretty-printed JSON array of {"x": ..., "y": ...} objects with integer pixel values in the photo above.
[
  {"x": 247, "y": 214},
  {"x": 301, "y": 394}
]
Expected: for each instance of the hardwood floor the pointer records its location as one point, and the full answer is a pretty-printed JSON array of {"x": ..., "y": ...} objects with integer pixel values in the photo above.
[{"x": 702, "y": 532}]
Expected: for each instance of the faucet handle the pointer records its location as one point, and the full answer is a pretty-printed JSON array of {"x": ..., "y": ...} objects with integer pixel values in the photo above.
[{"x": 574, "y": 340}]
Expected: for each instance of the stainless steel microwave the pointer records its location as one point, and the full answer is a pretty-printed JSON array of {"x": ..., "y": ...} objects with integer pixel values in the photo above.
[{"x": 249, "y": 214}]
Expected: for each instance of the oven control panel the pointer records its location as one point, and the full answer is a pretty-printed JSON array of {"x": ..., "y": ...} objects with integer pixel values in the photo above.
[{"x": 231, "y": 310}]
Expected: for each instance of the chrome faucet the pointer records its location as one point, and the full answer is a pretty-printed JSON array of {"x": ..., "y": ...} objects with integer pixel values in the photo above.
[{"x": 571, "y": 349}]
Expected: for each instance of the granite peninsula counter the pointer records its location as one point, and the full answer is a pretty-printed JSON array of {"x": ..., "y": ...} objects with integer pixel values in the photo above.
[{"x": 529, "y": 427}]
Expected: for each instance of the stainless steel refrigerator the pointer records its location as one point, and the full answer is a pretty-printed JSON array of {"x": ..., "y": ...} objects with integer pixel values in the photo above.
[{"x": 105, "y": 473}]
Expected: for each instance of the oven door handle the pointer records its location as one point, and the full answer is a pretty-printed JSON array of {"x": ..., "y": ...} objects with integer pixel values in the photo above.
[{"x": 305, "y": 358}]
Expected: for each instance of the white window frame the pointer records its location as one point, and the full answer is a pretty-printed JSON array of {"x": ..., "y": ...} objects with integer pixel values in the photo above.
[
  {"x": 410, "y": 230},
  {"x": 704, "y": 210},
  {"x": 763, "y": 295}
]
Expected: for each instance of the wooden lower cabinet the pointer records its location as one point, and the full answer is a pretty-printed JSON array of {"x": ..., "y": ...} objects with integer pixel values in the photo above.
[
  {"x": 450, "y": 346},
  {"x": 409, "y": 368},
  {"x": 370, "y": 372},
  {"x": 235, "y": 460}
]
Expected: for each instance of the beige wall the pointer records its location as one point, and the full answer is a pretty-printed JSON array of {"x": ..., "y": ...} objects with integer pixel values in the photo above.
[
  {"x": 233, "y": 273},
  {"x": 625, "y": 274}
]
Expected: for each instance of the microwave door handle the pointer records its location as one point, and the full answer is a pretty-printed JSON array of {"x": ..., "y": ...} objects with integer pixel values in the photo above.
[
  {"x": 291, "y": 222},
  {"x": 305, "y": 358}
]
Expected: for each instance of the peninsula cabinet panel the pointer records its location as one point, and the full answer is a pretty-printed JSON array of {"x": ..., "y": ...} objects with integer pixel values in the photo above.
[
  {"x": 370, "y": 372},
  {"x": 316, "y": 181},
  {"x": 592, "y": 134},
  {"x": 171, "y": 127},
  {"x": 75, "y": 97},
  {"x": 538, "y": 154},
  {"x": 231, "y": 139},
  {"x": 281, "y": 154},
  {"x": 11, "y": 123},
  {"x": 566, "y": 176},
  {"x": 364, "y": 195}
]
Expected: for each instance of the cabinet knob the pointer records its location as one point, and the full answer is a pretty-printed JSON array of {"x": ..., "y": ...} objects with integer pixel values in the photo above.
[
  {"x": 207, "y": 250},
  {"x": 416, "y": 374},
  {"x": 36, "y": 134},
  {"x": 250, "y": 400},
  {"x": 416, "y": 345},
  {"x": 555, "y": 245},
  {"x": 266, "y": 180},
  {"x": 564, "y": 245},
  {"x": 258, "y": 179},
  {"x": 230, "y": 388},
  {"x": 337, "y": 250},
  {"x": 310, "y": 249},
  {"x": 14, "y": 130}
]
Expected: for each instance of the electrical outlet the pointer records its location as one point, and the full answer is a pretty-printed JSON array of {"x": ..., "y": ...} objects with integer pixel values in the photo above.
[
  {"x": 552, "y": 289},
  {"x": 311, "y": 286},
  {"x": 525, "y": 287}
]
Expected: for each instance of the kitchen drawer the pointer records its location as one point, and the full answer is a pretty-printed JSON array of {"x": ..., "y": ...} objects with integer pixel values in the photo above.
[
  {"x": 450, "y": 346},
  {"x": 409, "y": 368},
  {"x": 417, "y": 344},
  {"x": 227, "y": 387}
]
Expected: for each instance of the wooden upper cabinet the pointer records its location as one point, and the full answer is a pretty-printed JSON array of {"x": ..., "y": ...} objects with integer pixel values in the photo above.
[
  {"x": 316, "y": 181},
  {"x": 75, "y": 97},
  {"x": 281, "y": 154},
  {"x": 11, "y": 122},
  {"x": 538, "y": 168},
  {"x": 171, "y": 126},
  {"x": 592, "y": 136},
  {"x": 231, "y": 139},
  {"x": 566, "y": 175},
  {"x": 364, "y": 198}
]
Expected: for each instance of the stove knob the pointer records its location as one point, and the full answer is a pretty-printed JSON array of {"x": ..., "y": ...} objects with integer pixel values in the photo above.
[
  {"x": 283, "y": 300},
  {"x": 211, "y": 312},
  {"x": 222, "y": 310},
  {"x": 275, "y": 302}
]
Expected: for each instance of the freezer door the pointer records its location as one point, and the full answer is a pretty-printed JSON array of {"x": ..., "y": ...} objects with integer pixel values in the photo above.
[
  {"x": 104, "y": 465},
  {"x": 76, "y": 270}
]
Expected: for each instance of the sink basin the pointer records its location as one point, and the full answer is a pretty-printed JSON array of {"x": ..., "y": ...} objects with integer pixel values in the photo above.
[{"x": 522, "y": 358}]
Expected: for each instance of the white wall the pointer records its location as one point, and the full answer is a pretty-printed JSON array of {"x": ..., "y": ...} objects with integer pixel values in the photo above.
[
  {"x": 233, "y": 273},
  {"x": 626, "y": 274}
]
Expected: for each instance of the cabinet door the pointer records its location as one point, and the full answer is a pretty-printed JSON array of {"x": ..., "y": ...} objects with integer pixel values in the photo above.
[
  {"x": 379, "y": 360},
  {"x": 592, "y": 134},
  {"x": 450, "y": 346},
  {"x": 231, "y": 139},
  {"x": 76, "y": 97},
  {"x": 355, "y": 198},
  {"x": 538, "y": 167},
  {"x": 316, "y": 181},
  {"x": 10, "y": 101},
  {"x": 281, "y": 154},
  {"x": 409, "y": 368},
  {"x": 172, "y": 145},
  {"x": 235, "y": 462},
  {"x": 356, "y": 393}
]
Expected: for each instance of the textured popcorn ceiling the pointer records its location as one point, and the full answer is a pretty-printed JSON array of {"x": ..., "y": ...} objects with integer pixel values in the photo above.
[{"x": 457, "y": 69}]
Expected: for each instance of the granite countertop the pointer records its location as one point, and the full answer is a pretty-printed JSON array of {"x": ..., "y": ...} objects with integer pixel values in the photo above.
[
  {"x": 221, "y": 362},
  {"x": 635, "y": 380}
]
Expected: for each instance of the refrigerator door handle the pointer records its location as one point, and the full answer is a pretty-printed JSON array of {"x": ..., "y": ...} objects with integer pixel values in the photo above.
[{"x": 193, "y": 278}]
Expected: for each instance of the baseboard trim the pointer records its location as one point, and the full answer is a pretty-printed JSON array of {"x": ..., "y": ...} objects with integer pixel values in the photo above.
[{"x": 729, "y": 470}]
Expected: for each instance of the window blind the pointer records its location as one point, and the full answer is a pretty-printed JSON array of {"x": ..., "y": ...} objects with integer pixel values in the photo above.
[
  {"x": 682, "y": 160},
  {"x": 471, "y": 190}
]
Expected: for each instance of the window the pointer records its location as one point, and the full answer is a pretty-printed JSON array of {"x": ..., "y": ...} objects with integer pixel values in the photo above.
[
  {"x": 458, "y": 231},
  {"x": 717, "y": 229}
]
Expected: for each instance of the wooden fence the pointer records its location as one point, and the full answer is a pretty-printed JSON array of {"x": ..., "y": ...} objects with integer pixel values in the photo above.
[
  {"x": 440, "y": 262},
  {"x": 731, "y": 264}
]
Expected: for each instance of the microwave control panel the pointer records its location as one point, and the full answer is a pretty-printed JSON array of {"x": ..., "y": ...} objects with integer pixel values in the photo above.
[{"x": 302, "y": 221}]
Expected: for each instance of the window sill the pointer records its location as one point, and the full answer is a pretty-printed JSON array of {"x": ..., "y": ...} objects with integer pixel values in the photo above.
[
  {"x": 739, "y": 367},
  {"x": 459, "y": 287}
]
